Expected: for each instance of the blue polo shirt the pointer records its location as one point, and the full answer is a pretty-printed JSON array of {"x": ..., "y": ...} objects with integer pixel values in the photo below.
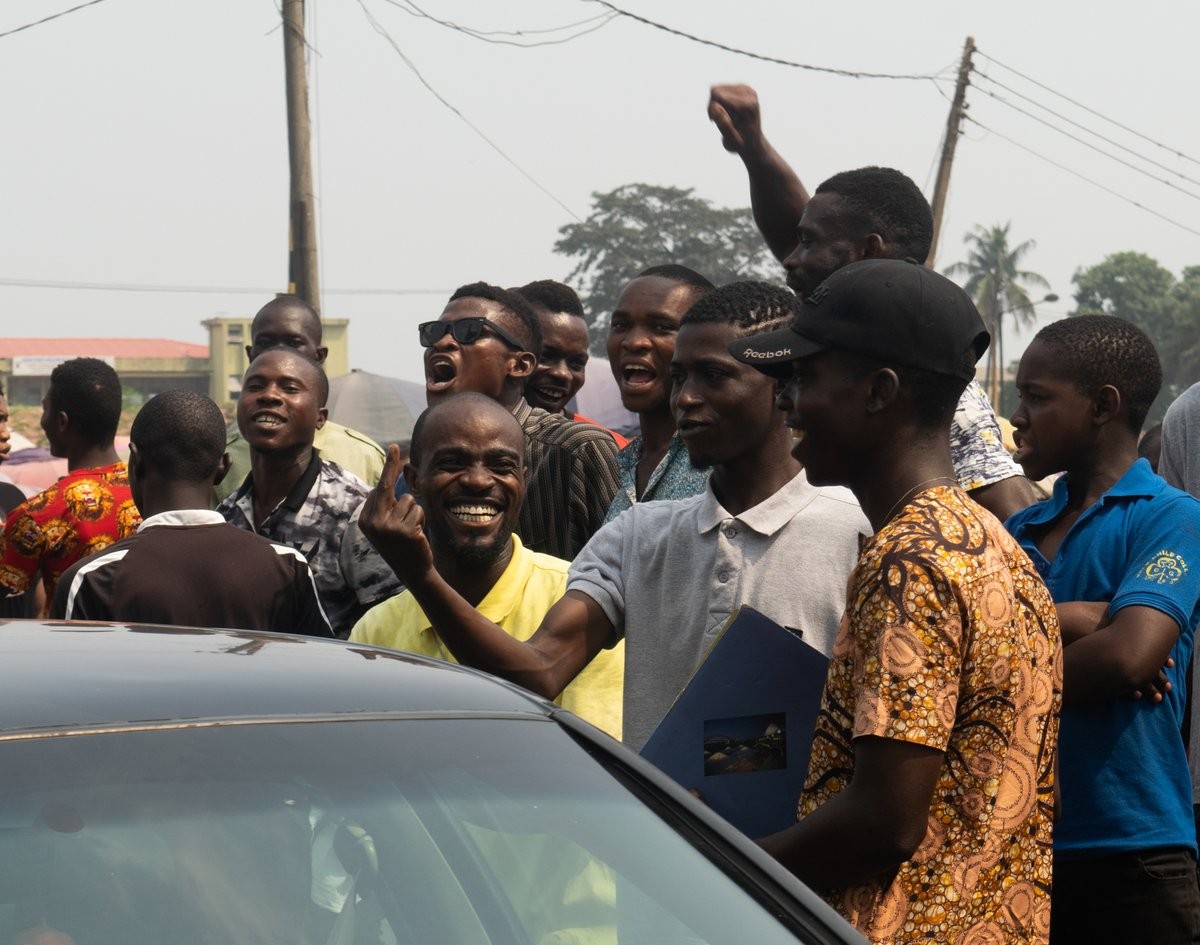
[{"x": 1122, "y": 767}]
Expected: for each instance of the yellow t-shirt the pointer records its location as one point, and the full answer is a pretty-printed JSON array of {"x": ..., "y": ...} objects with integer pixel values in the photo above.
[{"x": 529, "y": 586}]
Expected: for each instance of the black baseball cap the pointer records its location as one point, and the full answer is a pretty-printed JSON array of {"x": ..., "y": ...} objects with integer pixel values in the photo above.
[{"x": 894, "y": 310}]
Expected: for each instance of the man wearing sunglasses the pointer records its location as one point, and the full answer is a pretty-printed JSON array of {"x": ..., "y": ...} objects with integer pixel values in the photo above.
[{"x": 488, "y": 341}]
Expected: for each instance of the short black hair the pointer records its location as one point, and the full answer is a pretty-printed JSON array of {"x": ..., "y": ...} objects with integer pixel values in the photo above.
[
  {"x": 681, "y": 274},
  {"x": 555, "y": 297},
  {"x": 1095, "y": 350},
  {"x": 181, "y": 434},
  {"x": 882, "y": 200},
  {"x": 524, "y": 318},
  {"x": 292, "y": 301},
  {"x": 751, "y": 307},
  {"x": 88, "y": 391}
]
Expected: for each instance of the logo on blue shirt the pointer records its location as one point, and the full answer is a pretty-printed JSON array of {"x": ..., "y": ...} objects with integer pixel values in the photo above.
[{"x": 1166, "y": 568}]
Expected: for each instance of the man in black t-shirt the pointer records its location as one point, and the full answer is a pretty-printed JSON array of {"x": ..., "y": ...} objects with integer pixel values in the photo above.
[{"x": 186, "y": 565}]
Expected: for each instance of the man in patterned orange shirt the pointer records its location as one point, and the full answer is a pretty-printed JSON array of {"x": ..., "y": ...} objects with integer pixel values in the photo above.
[
  {"x": 926, "y": 814},
  {"x": 90, "y": 507}
]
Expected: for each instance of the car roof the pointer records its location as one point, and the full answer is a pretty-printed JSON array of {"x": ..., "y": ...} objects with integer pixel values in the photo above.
[{"x": 69, "y": 675}]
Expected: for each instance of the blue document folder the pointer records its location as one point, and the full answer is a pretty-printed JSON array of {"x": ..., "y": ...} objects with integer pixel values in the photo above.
[{"x": 741, "y": 731}]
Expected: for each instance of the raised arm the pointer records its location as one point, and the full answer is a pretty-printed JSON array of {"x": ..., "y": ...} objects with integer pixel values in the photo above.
[
  {"x": 572, "y": 633},
  {"x": 777, "y": 196}
]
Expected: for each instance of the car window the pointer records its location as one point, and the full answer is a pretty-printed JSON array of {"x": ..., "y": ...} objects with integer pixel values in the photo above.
[{"x": 466, "y": 831}]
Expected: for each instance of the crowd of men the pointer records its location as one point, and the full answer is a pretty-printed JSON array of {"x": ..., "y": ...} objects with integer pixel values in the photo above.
[{"x": 998, "y": 756}]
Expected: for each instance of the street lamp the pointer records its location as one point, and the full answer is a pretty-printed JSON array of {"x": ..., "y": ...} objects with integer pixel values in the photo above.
[{"x": 995, "y": 364}]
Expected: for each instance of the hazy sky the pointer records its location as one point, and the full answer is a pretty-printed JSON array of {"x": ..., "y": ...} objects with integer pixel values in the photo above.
[{"x": 144, "y": 141}]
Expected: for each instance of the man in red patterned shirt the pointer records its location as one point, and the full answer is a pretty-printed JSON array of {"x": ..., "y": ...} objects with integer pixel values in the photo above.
[{"x": 90, "y": 507}]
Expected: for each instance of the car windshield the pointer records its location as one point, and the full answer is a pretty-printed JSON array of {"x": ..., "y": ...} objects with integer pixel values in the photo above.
[{"x": 423, "y": 831}]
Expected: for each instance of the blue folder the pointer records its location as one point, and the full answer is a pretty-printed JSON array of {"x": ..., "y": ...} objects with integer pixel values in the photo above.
[{"x": 741, "y": 732}]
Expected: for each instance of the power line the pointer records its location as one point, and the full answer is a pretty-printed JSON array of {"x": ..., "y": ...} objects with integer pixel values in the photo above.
[
  {"x": 753, "y": 55},
  {"x": 47, "y": 19},
  {"x": 379, "y": 28},
  {"x": 1081, "y": 127},
  {"x": 1088, "y": 144},
  {"x": 1092, "y": 111},
  {"x": 1075, "y": 173},
  {"x": 199, "y": 289},
  {"x": 488, "y": 36}
]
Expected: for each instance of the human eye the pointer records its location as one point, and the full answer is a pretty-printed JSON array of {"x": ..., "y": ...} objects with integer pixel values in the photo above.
[
  {"x": 618, "y": 323},
  {"x": 665, "y": 327}
]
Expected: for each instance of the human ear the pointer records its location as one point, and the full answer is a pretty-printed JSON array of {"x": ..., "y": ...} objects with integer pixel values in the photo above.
[
  {"x": 874, "y": 247},
  {"x": 410, "y": 477},
  {"x": 1106, "y": 404},
  {"x": 322, "y": 416},
  {"x": 523, "y": 363},
  {"x": 222, "y": 469},
  {"x": 883, "y": 389}
]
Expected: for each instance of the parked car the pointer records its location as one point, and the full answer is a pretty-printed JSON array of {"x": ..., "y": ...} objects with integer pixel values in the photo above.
[{"x": 170, "y": 785}]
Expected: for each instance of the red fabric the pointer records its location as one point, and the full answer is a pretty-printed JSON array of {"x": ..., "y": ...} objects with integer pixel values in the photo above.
[
  {"x": 622, "y": 442},
  {"x": 84, "y": 512}
]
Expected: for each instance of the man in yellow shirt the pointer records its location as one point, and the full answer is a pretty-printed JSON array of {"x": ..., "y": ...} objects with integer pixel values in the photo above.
[{"x": 467, "y": 470}]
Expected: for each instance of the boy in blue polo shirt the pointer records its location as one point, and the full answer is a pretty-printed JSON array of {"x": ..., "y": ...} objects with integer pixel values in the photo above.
[{"x": 1120, "y": 551}]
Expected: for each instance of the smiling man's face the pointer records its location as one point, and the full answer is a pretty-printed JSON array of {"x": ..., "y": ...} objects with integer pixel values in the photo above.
[{"x": 470, "y": 479}]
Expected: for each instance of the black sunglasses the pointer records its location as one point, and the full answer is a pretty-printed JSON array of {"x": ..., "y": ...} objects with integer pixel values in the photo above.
[{"x": 466, "y": 331}]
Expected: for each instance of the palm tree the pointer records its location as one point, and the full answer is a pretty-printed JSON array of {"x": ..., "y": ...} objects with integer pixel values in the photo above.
[{"x": 998, "y": 285}]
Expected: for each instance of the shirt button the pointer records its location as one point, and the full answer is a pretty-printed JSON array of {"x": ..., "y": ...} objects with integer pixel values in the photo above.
[
  {"x": 723, "y": 576},
  {"x": 731, "y": 532}
]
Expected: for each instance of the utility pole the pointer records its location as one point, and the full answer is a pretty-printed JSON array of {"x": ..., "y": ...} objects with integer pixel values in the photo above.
[
  {"x": 302, "y": 241},
  {"x": 958, "y": 109}
]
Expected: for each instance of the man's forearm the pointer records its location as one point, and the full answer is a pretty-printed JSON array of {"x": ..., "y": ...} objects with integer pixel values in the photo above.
[
  {"x": 777, "y": 197},
  {"x": 476, "y": 641}
]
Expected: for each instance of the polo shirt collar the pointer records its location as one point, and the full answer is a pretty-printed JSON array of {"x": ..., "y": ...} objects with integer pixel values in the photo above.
[
  {"x": 506, "y": 593},
  {"x": 768, "y": 516},
  {"x": 1139, "y": 481},
  {"x": 184, "y": 517}
]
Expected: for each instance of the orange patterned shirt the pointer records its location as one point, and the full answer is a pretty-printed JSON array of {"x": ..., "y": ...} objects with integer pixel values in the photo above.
[
  {"x": 84, "y": 512},
  {"x": 950, "y": 640}
]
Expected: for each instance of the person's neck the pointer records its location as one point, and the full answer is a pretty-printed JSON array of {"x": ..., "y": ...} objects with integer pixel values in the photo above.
[
  {"x": 1098, "y": 472},
  {"x": 745, "y": 481},
  {"x": 174, "y": 497},
  {"x": 657, "y": 428},
  {"x": 90, "y": 457},
  {"x": 894, "y": 476},
  {"x": 274, "y": 475},
  {"x": 472, "y": 582}
]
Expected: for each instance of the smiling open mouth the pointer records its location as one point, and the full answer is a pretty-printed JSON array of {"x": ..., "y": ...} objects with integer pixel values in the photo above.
[
  {"x": 636, "y": 375},
  {"x": 473, "y": 513},
  {"x": 267, "y": 420}
]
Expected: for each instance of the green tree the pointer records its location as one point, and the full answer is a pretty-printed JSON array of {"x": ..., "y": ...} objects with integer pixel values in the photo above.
[
  {"x": 641, "y": 225},
  {"x": 995, "y": 279},
  {"x": 1136, "y": 287}
]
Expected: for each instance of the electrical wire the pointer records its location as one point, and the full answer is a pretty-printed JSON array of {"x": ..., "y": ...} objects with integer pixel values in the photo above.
[
  {"x": 1075, "y": 173},
  {"x": 47, "y": 19},
  {"x": 1081, "y": 127},
  {"x": 753, "y": 55},
  {"x": 199, "y": 289},
  {"x": 379, "y": 28},
  {"x": 1088, "y": 144},
  {"x": 1092, "y": 111},
  {"x": 487, "y": 36}
]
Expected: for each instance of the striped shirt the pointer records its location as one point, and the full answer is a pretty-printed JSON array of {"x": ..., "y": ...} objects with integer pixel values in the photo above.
[
  {"x": 190, "y": 568},
  {"x": 571, "y": 471}
]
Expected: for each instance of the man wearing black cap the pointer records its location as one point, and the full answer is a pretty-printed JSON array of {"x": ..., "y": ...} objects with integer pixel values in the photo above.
[{"x": 927, "y": 810}]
